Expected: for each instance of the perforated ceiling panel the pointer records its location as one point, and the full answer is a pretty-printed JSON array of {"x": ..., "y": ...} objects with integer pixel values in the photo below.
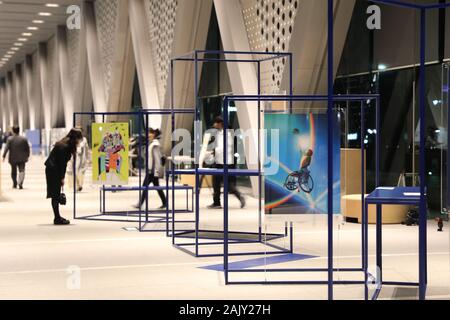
[
  {"x": 161, "y": 16},
  {"x": 73, "y": 46},
  {"x": 106, "y": 13},
  {"x": 269, "y": 25}
]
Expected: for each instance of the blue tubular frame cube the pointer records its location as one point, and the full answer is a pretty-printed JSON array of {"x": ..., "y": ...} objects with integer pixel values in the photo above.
[
  {"x": 204, "y": 56},
  {"x": 423, "y": 9},
  {"x": 364, "y": 100},
  {"x": 391, "y": 196},
  {"x": 446, "y": 93},
  {"x": 143, "y": 217}
]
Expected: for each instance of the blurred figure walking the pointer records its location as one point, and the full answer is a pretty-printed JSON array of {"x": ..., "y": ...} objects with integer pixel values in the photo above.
[{"x": 155, "y": 168}]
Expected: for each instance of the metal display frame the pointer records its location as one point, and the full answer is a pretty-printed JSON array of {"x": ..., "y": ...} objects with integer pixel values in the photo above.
[
  {"x": 365, "y": 102},
  {"x": 423, "y": 9},
  {"x": 331, "y": 98},
  {"x": 143, "y": 216},
  {"x": 390, "y": 196},
  {"x": 446, "y": 94},
  {"x": 196, "y": 57},
  {"x": 448, "y": 135}
]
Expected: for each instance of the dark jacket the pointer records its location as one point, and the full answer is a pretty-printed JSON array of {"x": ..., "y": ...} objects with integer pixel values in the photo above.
[
  {"x": 18, "y": 149},
  {"x": 55, "y": 170},
  {"x": 58, "y": 159}
]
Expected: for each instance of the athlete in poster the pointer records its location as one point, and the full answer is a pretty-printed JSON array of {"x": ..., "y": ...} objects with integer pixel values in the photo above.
[{"x": 301, "y": 180}]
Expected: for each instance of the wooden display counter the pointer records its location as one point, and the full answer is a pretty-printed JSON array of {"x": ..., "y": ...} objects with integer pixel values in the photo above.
[
  {"x": 351, "y": 207},
  {"x": 190, "y": 181}
]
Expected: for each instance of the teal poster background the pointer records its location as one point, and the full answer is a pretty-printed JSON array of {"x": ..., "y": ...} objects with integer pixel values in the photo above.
[{"x": 300, "y": 135}]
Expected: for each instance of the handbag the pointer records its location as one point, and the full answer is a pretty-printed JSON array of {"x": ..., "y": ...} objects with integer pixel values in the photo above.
[{"x": 62, "y": 198}]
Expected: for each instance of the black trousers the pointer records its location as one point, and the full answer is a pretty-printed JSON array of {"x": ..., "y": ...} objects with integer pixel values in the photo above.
[
  {"x": 151, "y": 179},
  {"x": 217, "y": 185},
  {"x": 14, "y": 167}
]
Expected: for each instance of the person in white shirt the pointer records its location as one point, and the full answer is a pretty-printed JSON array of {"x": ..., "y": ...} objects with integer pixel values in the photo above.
[
  {"x": 219, "y": 164},
  {"x": 155, "y": 168}
]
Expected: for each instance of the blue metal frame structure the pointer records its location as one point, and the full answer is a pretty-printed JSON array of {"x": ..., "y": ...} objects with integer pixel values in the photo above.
[
  {"x": 188, "y": 189},
  {"x": 423, "y": 9},
  {"x": 446, "y": 93},
  {"x": 390, "y": 196},
  {"x": 422, "y": 105},
  {"x": 365, "y": 101},
  {"x": 197, "y": 57},
  {"x": 143, "y": 217}
]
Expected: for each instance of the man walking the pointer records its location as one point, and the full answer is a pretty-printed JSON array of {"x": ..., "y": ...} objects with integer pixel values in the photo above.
[
  {"x": 219, "y": 164},
  {"x": 19, "y": 153}
]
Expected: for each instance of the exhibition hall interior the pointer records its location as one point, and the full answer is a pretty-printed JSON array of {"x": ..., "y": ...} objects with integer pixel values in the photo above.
[{"x": 224, "y": 149}]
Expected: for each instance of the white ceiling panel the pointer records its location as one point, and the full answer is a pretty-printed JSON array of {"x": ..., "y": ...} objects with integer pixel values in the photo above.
[{"x": 16, "y": 16}]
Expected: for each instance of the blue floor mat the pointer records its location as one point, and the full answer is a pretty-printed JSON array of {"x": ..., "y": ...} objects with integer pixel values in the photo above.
[{"x": 260, "y": 262}]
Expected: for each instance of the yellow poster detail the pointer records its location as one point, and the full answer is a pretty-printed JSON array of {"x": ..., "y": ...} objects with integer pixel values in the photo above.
[{"x": 110, "y": 146}]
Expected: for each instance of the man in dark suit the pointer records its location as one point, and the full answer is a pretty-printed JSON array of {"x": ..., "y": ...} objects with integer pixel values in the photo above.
[{"x": 19, "y": 153}]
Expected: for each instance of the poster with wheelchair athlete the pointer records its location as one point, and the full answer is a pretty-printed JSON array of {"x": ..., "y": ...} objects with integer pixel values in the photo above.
[
  {"x": 110, "y": 147},
  {"x": 296, "y": 177}
]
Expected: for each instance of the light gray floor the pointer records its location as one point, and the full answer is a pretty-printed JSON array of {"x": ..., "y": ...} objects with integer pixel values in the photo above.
[{"x": 36, "y": 256}]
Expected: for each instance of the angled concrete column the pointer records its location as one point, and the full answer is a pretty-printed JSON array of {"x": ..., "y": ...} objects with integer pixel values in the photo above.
[
  {"x": 19, "y": 91},
  {"x": 123, "y": 64},
  {"x": 243, "y": 76},
  {"x": 23, "y": 96},
  {"x": 57, "y": 108},
  {"x": 10, "y": 98},
  {"x": 2, "y": 110},
  {"x": 67, "y": 87},
  {"x": 309, "y": 44},
  {"x": 46, "y": 105},
  {"x": 96, "y": 71},
  {"x": 143, "y": 57},
  {"x": 83, "y": 85},
  {"x": 3, "y": 106},
  {"x": 36, "y": 91},
  {"x": 84, "y": 91},
  {"x": 29, "y": 94},
  {"x": 191, "y": 32},
  {"x": 79, "y": 71},
  {"x": 45, "y": 92}
]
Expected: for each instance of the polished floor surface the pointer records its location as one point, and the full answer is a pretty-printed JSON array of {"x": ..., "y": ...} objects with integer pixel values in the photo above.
[{"x": 102, "y": 260}]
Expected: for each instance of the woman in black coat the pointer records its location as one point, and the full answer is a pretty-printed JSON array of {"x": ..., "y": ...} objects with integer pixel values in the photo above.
[{"x": 55, "y": 171}]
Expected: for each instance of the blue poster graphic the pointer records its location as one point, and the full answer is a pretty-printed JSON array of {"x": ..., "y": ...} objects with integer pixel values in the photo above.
[{"x": 296, "y": 175}]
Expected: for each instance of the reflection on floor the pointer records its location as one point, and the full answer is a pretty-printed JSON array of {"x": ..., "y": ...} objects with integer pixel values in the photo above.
[{"x": 41, "y": 261}]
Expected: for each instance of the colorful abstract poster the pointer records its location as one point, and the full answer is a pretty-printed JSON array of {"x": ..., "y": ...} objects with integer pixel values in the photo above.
[
  {"x": 296, "y": 175},
  {"x": 110, "y": 146}
]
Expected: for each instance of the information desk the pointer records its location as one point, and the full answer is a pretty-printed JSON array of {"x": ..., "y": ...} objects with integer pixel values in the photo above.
[{"x": 394, "y": 196}]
